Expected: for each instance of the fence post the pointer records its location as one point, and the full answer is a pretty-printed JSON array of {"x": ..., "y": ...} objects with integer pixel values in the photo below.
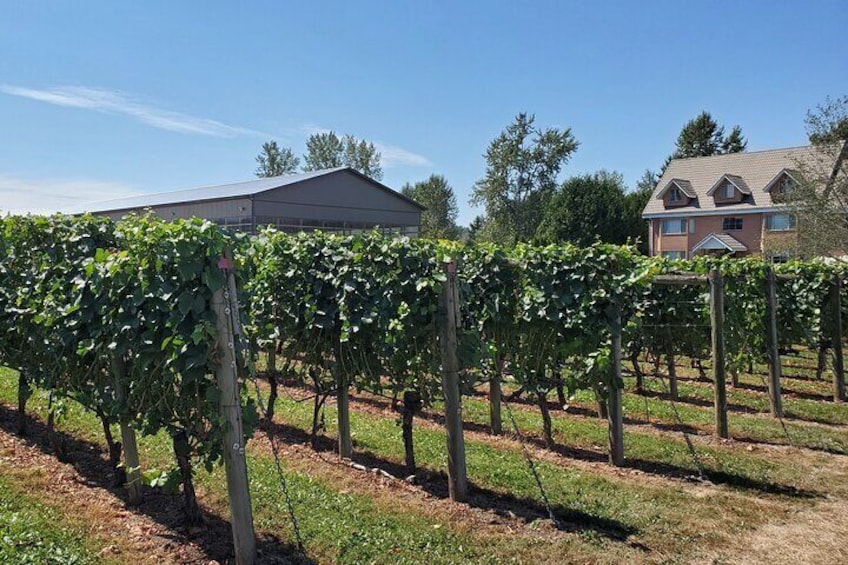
[
  {"x": 342, "y": 403},
  {"x": 615, "y": 417},
  {"x": 836, "y": 338},
  {"x": 224, "y": 304},
  {"x": 495, "y": 396},
  {"x": 130, "y": 447},
  {"x": 718, "y": 360},
  {"x": 448, "y": 314},
  {"x": 773, "y": 344}
]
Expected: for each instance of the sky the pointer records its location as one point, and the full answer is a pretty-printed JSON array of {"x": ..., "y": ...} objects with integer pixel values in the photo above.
[{"x": 106, "y": 99}]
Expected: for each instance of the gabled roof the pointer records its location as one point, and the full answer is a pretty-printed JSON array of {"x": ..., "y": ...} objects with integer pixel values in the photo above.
[
  {"x": 720, "y": 241},
  {"x": 756, "y": 169},
  {"x": 243, "y": 189},
  {"x": 735, "y": 180},
  {"x": 683, "y": 185},
  {"x": 792, "y": 174}
]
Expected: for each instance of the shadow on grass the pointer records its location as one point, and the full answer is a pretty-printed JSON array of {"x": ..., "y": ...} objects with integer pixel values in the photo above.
[
  {"x": 787, "y": 392},
  {"x": 88, "y": 458},
  {"x": 503, "y": 504},
  {"x": 653, "y": 467},
  {"x": 438, "y": 488}
]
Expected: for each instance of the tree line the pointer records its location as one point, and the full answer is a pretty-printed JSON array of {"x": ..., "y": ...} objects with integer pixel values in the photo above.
[{"x": 524, "y": 199}]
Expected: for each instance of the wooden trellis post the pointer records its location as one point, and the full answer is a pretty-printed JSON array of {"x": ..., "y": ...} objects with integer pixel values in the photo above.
[
  {"x": 224, "y": 304},
  {"x": 836, "y": 338},
  {"x": 718, "y": 353},
  {"x": 448, "y": 315},
  {"x": 773, "y": 352},
  {"x": 615, "y": 414}
]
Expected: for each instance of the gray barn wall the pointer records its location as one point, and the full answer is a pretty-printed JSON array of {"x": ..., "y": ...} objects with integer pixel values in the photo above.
[{"x": 350, "y": 198}]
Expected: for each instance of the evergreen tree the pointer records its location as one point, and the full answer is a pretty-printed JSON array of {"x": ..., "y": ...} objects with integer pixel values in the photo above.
[
  {"x": 703, "y": 136},
  {"x": 438, "y": 221}
]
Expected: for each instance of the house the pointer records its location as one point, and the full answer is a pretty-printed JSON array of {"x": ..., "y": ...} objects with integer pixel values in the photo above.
[
  {"x": 339, "y": 200},
  {"x": 725, "y": 204}
]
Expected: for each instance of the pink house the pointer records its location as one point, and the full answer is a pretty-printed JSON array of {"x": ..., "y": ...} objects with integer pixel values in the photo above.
[{"x": 725, "y": 204}]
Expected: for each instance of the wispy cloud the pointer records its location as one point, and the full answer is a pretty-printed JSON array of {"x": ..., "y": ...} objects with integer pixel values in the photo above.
[
  {"x": 394, "y": 156},
  {"x": 115, "y": 102},
  {"x": 43, "y": 196}
]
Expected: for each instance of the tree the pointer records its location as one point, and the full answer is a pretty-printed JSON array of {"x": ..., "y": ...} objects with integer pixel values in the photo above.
[
  {"x": 274, "y": 161},
  {"x": 819, "y": 197},
  {"x": 634, "y": 203},
  {"x": 438, "y": 221},
  {"x": 523, "y": 163},
  {"x": 328, "y": 151},
  {"x": 702, "y": 137},
  {"x": 586, "y": 209}
]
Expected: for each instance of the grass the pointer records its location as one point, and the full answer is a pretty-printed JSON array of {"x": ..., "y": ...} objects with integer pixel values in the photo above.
[
  {"x": 651, "y": 512},
  {"x": 33, "y": 533}
]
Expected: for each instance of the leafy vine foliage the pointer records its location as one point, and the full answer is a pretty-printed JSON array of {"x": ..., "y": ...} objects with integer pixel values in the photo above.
[
  {"x": 117, "y": 316},
  {"x": 80, "y": 293}
]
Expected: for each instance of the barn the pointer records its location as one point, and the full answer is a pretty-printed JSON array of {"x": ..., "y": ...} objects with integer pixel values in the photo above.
[{"x": 338, "y": 200}]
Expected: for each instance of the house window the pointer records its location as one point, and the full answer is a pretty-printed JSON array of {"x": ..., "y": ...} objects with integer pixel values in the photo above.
[
  {"x": 674, "y": 195},
  {"x": 779, "y": 257},
  {"x": 674, "y": 254},
  {"x": 676, "y": 226},
  {"x": 731, "y": 224},
  {"x": 729, "y": 191},
  {"x": 780, "y": 222}
]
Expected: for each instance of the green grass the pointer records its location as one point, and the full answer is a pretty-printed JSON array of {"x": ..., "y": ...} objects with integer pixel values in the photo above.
[
  {"x": 610, "y": 511},
  {"x": 33, "y": 534},
  {"x": 337, "y": 527}
]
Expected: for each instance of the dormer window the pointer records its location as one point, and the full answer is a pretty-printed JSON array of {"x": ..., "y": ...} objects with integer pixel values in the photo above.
[
  {"x": 677, "y": 192},
  {"x": 674, "y": 195},
  {"x": 729, "y": 189},
  {"x": 782, "y": 184}
]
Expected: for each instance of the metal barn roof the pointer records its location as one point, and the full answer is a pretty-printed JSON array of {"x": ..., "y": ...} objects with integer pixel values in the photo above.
[{"x": 222, "y": 192}]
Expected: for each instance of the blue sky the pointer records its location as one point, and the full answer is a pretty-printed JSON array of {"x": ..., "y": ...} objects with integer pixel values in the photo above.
[{"x": 105, "y": 99}]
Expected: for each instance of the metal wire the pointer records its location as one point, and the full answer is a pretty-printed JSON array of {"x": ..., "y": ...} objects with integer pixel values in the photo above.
[
  {"x": 532, "y": 465},
  {"x": 232, "y": 311}
]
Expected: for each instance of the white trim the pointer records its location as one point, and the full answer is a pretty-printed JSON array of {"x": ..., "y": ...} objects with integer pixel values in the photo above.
[{"x": 717, "y": 212}]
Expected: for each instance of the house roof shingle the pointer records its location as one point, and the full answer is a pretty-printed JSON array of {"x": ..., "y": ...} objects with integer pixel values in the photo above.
[{"x": 754, "y": 171}]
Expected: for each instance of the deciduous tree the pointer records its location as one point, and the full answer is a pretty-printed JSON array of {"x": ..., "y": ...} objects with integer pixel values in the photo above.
[
  {"x": 523, "y": 164},
  {"x": 274, "y": 161},
  {"x": 327, "y": 150}
]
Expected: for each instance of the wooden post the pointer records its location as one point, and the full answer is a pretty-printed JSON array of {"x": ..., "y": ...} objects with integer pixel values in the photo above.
[
  {"x": 448, "y": 314},
  {"x": 836, "y": 338},
  {"x": 672, "y": 374},
  {"x": 615, "y": 417},
  {"x": 773, "y": 353},
  {"x": 132, "y": 465},
  {"x": 342, "y": 404},
  {"x": 718, "y": 353},
  {"x": 495, "y": 397},
  {"x": 224, "y": 304}
]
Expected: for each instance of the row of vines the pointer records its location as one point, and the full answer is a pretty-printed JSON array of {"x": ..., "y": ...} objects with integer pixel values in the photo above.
[{"x": 118, "y": 317}]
